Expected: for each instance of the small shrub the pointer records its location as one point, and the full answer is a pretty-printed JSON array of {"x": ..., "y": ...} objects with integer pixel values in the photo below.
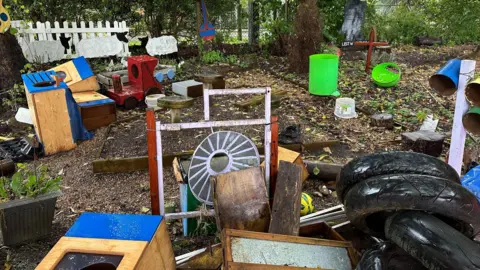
[
  {"x": 232, "y": 59},
  {"x": 212, "y": 57},
  {"x": 28, "y": 184}
]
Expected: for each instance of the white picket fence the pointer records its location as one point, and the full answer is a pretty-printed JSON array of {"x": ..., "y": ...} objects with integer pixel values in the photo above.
[{"x": 39, "y": 31}]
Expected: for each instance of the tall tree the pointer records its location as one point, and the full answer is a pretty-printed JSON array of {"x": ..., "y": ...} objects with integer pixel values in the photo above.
[{"x": 11, "y": 61}]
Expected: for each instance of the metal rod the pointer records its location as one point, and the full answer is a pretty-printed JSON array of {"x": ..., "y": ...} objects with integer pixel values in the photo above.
[
  {"x": 194, "y": 214},
  {"x": 216, "y": 92},
  {"x": 229, "y": 123},
  {"x": 161, "y": 196}
]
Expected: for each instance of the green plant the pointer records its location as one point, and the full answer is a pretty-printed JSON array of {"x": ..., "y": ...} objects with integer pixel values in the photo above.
[
  {"x": 232, "y": 59},
  {"x": 421, "y": 116},
  {"x": 212, "y": 57},
  {"x": 28, "y": 184}
]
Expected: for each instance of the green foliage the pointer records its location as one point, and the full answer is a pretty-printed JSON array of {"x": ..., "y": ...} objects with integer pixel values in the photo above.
[
  {"x": 212, "y": 57},
  {"x": 28, "y": 184},
  {"x": 453, "y": 21}
]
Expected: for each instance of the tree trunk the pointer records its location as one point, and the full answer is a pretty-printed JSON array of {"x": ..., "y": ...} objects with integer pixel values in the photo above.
[
  {"x": 253, "y": 22},
  {"x": 11, "y": 61},
  {"x": 239, "y": 20}
]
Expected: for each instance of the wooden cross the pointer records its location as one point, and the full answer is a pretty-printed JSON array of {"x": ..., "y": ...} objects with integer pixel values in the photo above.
[{"x": 371, "y": 44}]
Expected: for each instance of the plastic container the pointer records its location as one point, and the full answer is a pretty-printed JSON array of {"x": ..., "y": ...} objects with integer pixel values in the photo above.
[
  {"x": 472, "y": 92},
  {"x": 471, "y": 121},
  {"x": 345, "y": 108},
  {"x": 384, "y": 77},
  {"x": 152, "y": 100},
  {"x": 445, "y": 81},
  {"x": 23, "y": 116},
  {"x": 323, "y": 80},
  {"x": 471, "y": 181}
]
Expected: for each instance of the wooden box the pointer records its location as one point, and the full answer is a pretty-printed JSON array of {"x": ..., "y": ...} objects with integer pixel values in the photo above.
[
  {"x": 189, "y": 88},
  {"x": 49, "y": 111},
  {"x": 96, "y": 109},
  {"x": 79, "y": 76},
  {"x": 139, "y": 242},
  {"x": 292, "y": 157},
  {"x": 253, "y": 250}
]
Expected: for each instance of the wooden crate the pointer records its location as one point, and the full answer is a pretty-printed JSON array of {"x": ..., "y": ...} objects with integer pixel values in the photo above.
[
  {"x": 96, "y": 109},
  {"x": 253, "y": 250},
  {"x": 292, "y": 157},
  {"x": 189, "y": 88},
  {"x": 49, "y": 111},
  {"x": 79, "y": 76},
  {"x": 142, "y": 241}
]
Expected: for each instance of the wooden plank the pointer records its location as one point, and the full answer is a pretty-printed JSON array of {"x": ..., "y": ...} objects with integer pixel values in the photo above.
[
  {"x": 274, "y": 158},
  {"x": 102, "y": 110},
  {"x": 130, "y": 250},
  {"x": 241, "y": 200},
  {"x": 152, "y": 162},
  {"x": 287, "y": 201},
  {"x": 33, "y": 112},
  {"x": 211, "y": 258},
  {"x": 88, "y": 96},
  {"x": 288, "y": 155},
  {"x": 53, "y": 121},
  {"x": 176, "y": 171},
  {"x": 159, "y": 253},
  {"x": 89, "y": 84},
  {"x": 70, "y": 70},
  {"x": 99, "y": 121}
]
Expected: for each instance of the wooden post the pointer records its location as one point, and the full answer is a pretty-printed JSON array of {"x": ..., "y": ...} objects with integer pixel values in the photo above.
[
  {"x": 274, "y": 158},
  {"x": 152, "y": 162}
]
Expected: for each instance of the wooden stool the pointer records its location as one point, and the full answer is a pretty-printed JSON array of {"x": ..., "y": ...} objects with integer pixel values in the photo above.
[
  {"x": 175, "y": 104},
  {"x": 211, "y": 80}
]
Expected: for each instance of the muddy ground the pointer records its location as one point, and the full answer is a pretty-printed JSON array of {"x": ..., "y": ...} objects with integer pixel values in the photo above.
[{"x": 129, "y": 192}]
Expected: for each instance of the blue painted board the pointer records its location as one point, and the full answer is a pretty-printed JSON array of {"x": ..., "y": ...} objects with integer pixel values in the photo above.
[
  {"x": 83, "y": 68},
  {"x": 31, "y": 79},
  {"x": 115, "y": 226},
  {"x": 96, "y": 103}
]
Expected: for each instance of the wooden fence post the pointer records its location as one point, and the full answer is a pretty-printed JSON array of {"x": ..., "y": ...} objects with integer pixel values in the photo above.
[
  {"x": 152, "y": 162},
  {"x": 274, "y": 157}
]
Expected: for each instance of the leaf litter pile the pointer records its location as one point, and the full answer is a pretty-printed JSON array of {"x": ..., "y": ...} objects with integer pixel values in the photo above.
[{"x": 410, "y": 103}]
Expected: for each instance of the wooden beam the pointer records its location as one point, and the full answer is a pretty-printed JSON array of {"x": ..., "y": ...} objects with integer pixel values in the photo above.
[
  {"x": 274, "y": 157},
  {"x": 323, "y": 171},
  {"x": 193, "y": 214},
  {"x": 287, "y": 201},
  {"x": 152, "y": 163}
]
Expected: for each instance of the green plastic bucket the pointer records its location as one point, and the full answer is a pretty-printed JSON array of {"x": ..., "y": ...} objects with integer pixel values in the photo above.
[
  {"x": 323, "y": 79},
  {"x": 471, "y": 121},
  {"x": 384, "y": 77}
]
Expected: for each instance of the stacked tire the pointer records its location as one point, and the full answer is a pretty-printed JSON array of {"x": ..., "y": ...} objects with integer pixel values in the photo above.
[{"x": 385, "y": 191}]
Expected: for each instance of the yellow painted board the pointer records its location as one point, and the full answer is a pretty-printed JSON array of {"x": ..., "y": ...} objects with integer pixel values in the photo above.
[
  {"x": 89, "y": 96},
  {"x": 90, "y": 84},
  {"x": 53, "y": 121},
  {"x": 130, "y": 250}
]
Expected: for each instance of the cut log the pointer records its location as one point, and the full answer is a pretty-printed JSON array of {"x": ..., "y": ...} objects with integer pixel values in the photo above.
[
  {"x": 427, "y": 142},
  {"x": 241, "y": 200},
  {"x": 7, "y": 167},
  {"x": 323, "y": 171},
  {"x": 382, "y": 120},
  {"x": 286, "y": 203}
]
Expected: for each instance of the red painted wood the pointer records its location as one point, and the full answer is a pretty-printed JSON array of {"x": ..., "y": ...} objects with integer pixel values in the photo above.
[
  {"x": 152, "y": 163},
  {"x": 371, "y": 44},
  {"x": 274, "y": 157}
]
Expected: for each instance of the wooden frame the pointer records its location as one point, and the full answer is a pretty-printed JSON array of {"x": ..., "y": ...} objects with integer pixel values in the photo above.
[{"x": 228, "y": 234}]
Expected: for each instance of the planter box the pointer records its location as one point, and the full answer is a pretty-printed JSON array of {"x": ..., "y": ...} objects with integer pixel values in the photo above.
[{"x": 27, "y": 219}]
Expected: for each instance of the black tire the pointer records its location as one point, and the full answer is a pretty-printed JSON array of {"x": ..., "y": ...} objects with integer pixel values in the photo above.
[
  {"x": 130, "y": 103},
  {"x": 391, "y": 163},
  {"x": 370, "y": 202},
  {"x": 388, "y": 256},
  {"x": 434, "y": 243}
]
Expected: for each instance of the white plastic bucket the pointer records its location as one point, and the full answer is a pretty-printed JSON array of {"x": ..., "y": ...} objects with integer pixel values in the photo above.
[
  {"x": 345, "y": 108},
  {"x": 152, "y": 100},
  {"x": 23, "y": 116}
]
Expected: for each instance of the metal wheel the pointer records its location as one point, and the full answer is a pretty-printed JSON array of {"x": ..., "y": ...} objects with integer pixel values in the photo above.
[{"x": 219, "y": 153}]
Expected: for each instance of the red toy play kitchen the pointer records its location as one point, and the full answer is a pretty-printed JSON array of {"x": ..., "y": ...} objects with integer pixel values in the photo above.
[{"x": 141, "y": 83}]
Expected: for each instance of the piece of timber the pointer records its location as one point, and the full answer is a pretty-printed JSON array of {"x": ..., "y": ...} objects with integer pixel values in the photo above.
[
  {"x": 287, "y": 200},
  {"x": 241, "y": 201},
  {"x": 323, "y": 171},
  {"x": 211, "y": 258},
  {"x": 194, "y": 214}
]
